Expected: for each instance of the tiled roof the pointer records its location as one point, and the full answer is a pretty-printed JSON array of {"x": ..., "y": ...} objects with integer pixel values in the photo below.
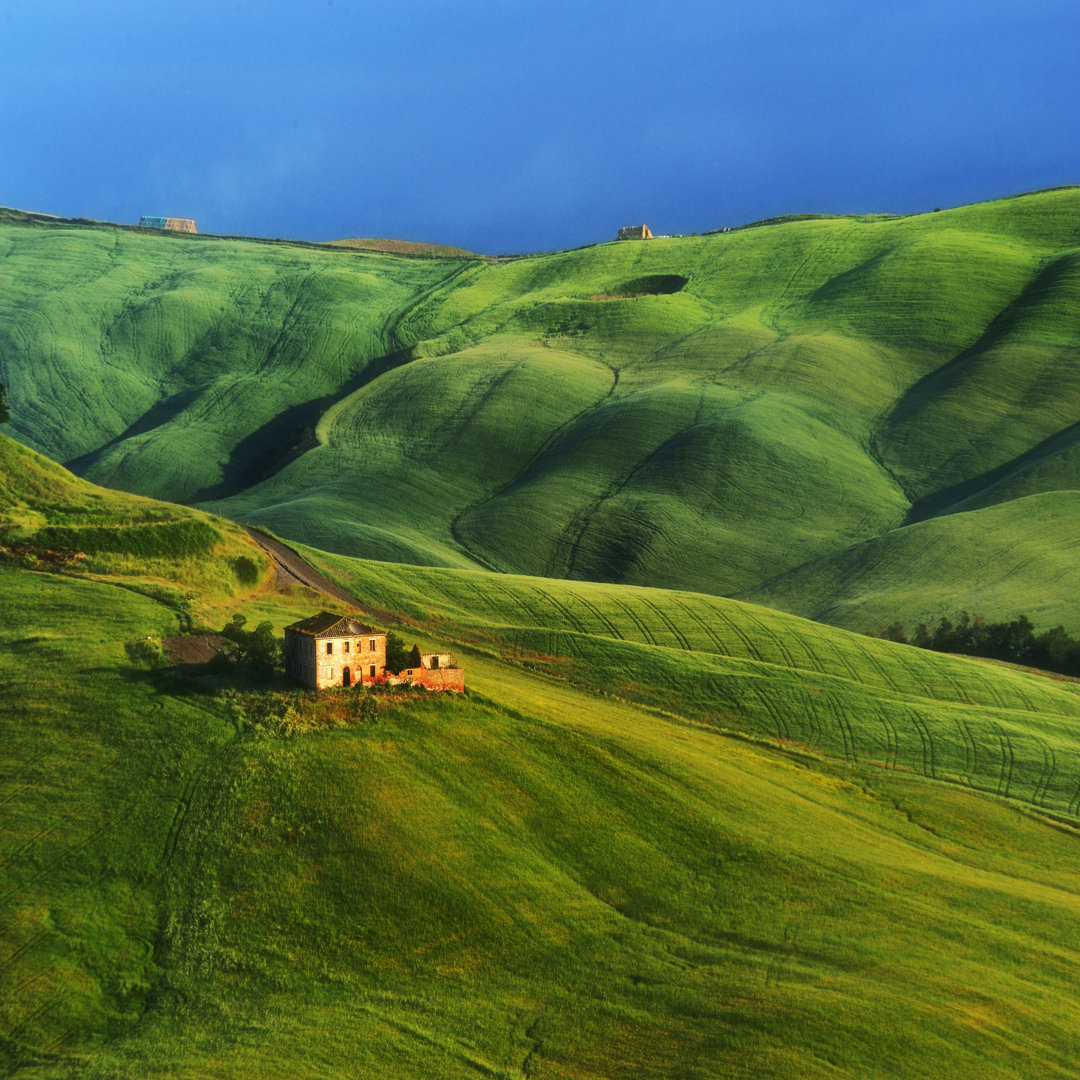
[{"x": 327, "y": 624}]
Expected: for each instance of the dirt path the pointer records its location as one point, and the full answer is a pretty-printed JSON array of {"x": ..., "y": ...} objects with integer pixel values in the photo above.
[{"x": 292, "y": 570}]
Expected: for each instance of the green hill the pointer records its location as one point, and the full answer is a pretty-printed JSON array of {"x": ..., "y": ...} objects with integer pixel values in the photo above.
[
  {"x": 697, "y": 412},
  {"x": 634, "y": 848},
  {"x": 1019, "y": 557}
]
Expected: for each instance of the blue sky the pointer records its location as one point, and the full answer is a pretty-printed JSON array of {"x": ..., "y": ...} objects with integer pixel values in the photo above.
[{"x": 514, "y": 125}]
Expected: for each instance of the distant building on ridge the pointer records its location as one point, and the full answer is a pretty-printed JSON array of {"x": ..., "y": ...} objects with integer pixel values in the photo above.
[
  {"x": 634, "y": 232},
  {"x": 170, "y": 224}
]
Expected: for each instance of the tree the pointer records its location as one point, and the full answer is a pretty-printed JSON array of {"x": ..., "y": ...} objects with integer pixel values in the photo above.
[
  {"x": 258, "y": 649},
  {"x": 414, "y": 657},
  {"x": 397, "y": 656},
  {"x": 942, "y": 641},
  {"x": 5, "y": 413}
]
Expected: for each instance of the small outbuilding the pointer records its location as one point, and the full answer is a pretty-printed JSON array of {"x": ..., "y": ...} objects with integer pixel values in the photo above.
[
  {"x": 437, "y": 671},
  {"x": 635, "y": 232},
  {"x": 169, "y": 224},
  {"x": 334, "y": 650}
]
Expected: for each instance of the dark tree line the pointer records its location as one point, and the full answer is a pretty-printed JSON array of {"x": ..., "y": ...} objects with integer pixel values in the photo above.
[{"x": 1015, "y": 641}]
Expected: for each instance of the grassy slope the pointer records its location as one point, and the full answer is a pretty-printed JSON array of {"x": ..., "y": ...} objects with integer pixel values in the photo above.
[
  {"x": 182, "y": 367},
  {"x": 403, "y": 247},
  {"x": 538, "y": 879},
  {"x": 1003, "y": 561},
  {"x": 815, "y": 383},
  {"x": 760, "y": 672},
  {"x": 125, "y": 540}
]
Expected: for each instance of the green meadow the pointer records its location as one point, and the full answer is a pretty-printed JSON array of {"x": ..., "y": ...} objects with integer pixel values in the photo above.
[
  {"x": 673, "y": 828},
  {"x": 714, "y": 413},
  {"x": 663, "y": 834}
]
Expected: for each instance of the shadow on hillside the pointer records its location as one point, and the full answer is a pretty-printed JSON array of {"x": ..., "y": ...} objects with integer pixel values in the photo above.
[{"x": 288, "y": 436}]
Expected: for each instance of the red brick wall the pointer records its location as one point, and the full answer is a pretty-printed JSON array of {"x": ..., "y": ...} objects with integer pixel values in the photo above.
[{"x": 451, "y": 678}]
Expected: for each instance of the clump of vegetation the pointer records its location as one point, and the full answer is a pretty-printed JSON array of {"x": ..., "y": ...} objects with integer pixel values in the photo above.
[
  {"x": 145, "y": 652},
  {"x": 1013, "y": 640},
  {"x": 397, "y": 655},
  {"x": 283, "y": 714},
  {"x": 246, "y": 570},
  {"x": 257, "y": 651}
]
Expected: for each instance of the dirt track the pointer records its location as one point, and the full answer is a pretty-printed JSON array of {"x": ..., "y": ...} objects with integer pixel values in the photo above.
[{"x": 293, "y": 570}]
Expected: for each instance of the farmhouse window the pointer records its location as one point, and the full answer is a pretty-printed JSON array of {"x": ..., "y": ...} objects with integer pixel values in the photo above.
[
  {"x": 329, "y": 647},
  {"x": 373, "y": 671},
  {"x": 345, "y": 647},
  {"x": 371, "y": 645}
]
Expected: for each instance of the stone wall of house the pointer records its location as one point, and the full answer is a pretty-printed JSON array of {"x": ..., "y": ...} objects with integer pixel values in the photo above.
[
  {"x": 436, "y": 660},
  {"x": 322, "y": 662},
  {"x": 635, "y": 232}
]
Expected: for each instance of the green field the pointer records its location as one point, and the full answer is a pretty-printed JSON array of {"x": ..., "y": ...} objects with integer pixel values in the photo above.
[
  {"x": 705, "y": 413},
  {"x": 1019, "y": 557},
  {"x": 663, "y": 834},
  {"x": 668, "y": 832}
]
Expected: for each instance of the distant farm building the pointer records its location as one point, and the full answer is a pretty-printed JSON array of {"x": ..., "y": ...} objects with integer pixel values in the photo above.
[
  {"x": 635, "y": 232},
  {"x": 169, "y": 224},
  {"x": 336, "y": 650}
]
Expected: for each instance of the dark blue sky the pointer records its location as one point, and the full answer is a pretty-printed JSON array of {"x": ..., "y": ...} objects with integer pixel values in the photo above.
[{"x": 511, "y": 125}]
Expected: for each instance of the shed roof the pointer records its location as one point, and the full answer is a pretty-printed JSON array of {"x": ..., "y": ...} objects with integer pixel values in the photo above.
[{"x": 328, "y": 624}]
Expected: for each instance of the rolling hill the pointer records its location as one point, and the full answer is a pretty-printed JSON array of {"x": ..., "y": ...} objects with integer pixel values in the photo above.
[
  {"x": 709, "y": 413},
  {"x": 663, "y": 834}
]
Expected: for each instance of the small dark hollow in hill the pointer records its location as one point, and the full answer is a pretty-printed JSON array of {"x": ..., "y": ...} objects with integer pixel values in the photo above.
[{"x": 650, "y": 285}]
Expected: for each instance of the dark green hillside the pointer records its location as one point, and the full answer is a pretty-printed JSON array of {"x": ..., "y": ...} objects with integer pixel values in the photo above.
[
  {"x": 774, "y": 395},
  {"x": 632, "y": 849},
  {"x": 1016, "y": 558},
  {"x": 181, "y": 369},
  {"x": 701, "y": 412}
]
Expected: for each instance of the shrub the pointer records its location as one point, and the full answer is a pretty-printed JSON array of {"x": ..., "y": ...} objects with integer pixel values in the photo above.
[
  {"x": 145, "y": 652},
  {"x": 246, "y": 570},
  {"x": 257, "y": 650}
]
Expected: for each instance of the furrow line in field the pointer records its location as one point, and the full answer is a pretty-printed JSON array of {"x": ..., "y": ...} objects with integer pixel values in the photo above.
[
  {"x": 846, "y": 730},
  {"x": 783, "y": 731},
  {"x": 669, "y": 622},
  {"x": 27, "y": 947},
  {"x": 601, "y": 618},
  {"x": 1049, "y": 767},
  {"x": 646, "y": 634},
  {"x": 921, "y": 732},
  {"x": 571, "y": 621}
]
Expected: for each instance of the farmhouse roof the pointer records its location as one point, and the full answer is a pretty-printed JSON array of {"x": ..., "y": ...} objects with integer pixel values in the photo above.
[{"x": 328, "y": 624}]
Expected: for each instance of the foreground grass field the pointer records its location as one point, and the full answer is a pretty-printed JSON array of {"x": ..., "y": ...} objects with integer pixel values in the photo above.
[
  {"x": 705, "y": 413},
  {"x": 633, "y": 849}
]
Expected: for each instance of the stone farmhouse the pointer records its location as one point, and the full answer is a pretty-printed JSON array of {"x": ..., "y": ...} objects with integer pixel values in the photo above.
[
  {"x": 634, "y": 232},
  {"x": 336, "y": 650},
  {"x": 170, "y": 224}
]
